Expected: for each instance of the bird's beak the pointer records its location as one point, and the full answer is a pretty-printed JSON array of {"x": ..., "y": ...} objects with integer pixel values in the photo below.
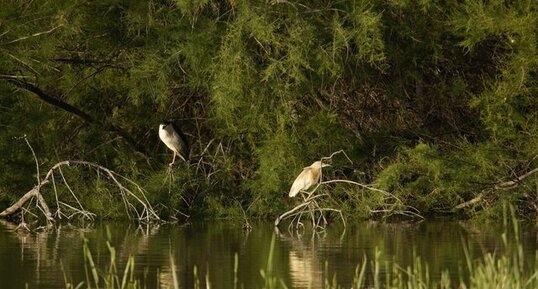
[{"x": 325, "y": 165}]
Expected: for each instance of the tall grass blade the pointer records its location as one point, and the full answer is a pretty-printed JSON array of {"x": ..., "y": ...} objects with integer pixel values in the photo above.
[{"x": 174, "y": 274}]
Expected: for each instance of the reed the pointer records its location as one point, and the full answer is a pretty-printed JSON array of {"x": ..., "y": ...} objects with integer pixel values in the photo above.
[
  {"x": 109, "y": 278},
  {"x": 510, "y": 269}
]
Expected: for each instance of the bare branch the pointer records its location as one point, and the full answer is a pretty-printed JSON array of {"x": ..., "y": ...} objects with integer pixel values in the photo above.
[
  {"x": 144, "y": 211},
  {"x": 501, "y": 186},
  {"x": 515, "y": 182},
  {"x": 15, "y": 207},
  {"x": 311, "y": 207},
  {"x": 35, "y": 159},
  {"x": 34, "y": 35},
  {"x": 470, "y": 202}
]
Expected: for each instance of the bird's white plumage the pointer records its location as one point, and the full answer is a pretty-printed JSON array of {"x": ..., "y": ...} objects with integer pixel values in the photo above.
[
  {"x": 309, "y": 176},
  {"x": 171, "y": 139},
  {"x": 302, "y": 182}
]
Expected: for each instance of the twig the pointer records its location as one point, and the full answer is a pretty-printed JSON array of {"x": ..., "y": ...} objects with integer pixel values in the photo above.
[
  {"x": 335, "y": 153},
  {"x": 515, "y": 182},
  {"x": 69, "y": 188},
  {"x": 58, "y": 209},
  {"x": 34, "y": 35},
  {"x": 35, "y": 159},
  {"x": 41, "y": 201}
]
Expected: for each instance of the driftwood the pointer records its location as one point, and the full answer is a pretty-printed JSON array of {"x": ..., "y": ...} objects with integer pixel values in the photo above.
[
  {"x": 136, "y": 204},
  {"x": 25, "y": 198}
]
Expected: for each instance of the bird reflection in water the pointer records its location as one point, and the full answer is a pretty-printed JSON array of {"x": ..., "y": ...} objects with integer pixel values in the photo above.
[
  {"x": 306, "y": 271},
  {"x": 306, "y": 266}
]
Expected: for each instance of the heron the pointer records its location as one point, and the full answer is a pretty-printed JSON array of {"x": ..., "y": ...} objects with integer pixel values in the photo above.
[
  {"x": 175, "y": 140},
  {"x": 309, "y": 176}
]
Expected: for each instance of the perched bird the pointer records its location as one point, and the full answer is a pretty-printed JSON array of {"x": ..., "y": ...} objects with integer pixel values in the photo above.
[
  {"x": 175, "y": 140},
  {"x": 309, "y": 176}
]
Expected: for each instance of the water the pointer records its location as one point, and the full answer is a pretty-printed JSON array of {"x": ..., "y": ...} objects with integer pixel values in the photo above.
[{"x": 40, "y": 260}]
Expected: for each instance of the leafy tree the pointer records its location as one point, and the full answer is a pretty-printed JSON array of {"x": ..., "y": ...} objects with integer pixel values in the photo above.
[{"x": 435, "y": 101}]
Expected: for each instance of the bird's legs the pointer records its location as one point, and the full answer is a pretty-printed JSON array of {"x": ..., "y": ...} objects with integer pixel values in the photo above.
[
  {"x": 305, "y": 195},
  {"x": 173, "y": 160}
]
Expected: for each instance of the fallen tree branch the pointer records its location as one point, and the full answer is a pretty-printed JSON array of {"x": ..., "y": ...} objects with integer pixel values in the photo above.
[
  {"x": 310, "y": 205},
  {"x": 142, "y": 212},
  {"x": 289, "y": 213},
  {"x": 500, "y": 186},
  {"x": 25, "y": 198},
  {"x": 470, "y": 202},
  {"x": 515, "y": 182}
]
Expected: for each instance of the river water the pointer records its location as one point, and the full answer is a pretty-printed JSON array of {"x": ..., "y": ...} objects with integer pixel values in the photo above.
[{"x": 45, "y": 259}]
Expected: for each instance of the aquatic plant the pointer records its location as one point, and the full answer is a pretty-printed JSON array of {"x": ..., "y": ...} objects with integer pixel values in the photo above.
[
  {"x": 510, "y": 268},
  {"x": 109, "y": 278}
]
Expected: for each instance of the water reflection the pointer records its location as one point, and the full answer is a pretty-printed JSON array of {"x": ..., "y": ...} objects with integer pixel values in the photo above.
[
  {"x": 165, "y": 254},
  {"x": 306, "y": 266}
]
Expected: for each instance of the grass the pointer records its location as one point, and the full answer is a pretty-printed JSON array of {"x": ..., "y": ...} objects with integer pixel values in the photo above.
[
  {"x": 109, "y": 278},
  {"x": 510, "y": 269}
]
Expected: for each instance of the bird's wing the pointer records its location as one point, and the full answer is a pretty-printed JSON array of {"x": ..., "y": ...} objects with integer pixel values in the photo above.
[
  {"x": 180, "y": 142},
  {"x": 302, "y": 182}
]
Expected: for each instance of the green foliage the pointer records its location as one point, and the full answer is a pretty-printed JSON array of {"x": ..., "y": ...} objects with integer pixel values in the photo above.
[
  {"x": 419, "y": 177},
  {"x": 437, "y": 181},
  {"x": 435, "y": 101}
]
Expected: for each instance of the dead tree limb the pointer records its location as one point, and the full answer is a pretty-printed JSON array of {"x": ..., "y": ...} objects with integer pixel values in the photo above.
[
  {"x": 310, "y": 206},
  {"x": 516, "y": 181},
  {"x": 137, "y": 206},
  {"x": 470, "y": 202},
  {"x": 25, "y": 198},
  {"x": 500, "y": 186}
]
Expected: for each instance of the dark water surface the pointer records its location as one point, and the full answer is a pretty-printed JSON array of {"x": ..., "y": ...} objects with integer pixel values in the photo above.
[{"x": 40, "y": 260}]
